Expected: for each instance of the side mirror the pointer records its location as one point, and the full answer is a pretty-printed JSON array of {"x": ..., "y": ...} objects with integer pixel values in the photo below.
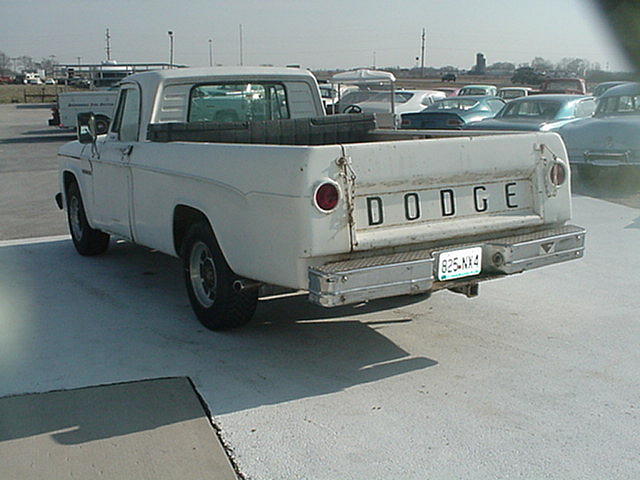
[{"x": 87, "y": 127}]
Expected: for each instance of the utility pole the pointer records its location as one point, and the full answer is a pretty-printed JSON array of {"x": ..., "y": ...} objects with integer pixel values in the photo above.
[
  {"x": 374, "y": 59},
  {"x": 210, "y": 53},
  {"x": 79, "y": 58},
  {"x": 170, "y": 48},
  {"x": 108, "y": 49},
  {"x": 241, "y": 59},
  {"x": 424, "y": 34}
]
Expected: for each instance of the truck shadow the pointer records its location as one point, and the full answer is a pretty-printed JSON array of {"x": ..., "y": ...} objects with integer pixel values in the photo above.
[
  {"x": 41, "y": 139},
  {"x": 51, "y": 131},
  {"x": 78, "y": 415},
  {"x": 77, "y": 321},
  {"x": 34, "y": 106}
]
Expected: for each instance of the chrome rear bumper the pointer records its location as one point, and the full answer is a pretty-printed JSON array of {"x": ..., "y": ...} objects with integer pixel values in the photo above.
[{"x": 362, "y": 279}]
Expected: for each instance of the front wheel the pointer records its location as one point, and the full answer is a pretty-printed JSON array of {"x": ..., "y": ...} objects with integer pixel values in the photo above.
[
  {"x": 88, "y": 241},
  {"x": 210, "y": 282}
]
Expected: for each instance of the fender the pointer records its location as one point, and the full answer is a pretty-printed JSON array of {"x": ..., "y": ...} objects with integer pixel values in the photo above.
[
  {"x": 82, "y": 175},
  {"x": 180, "y": 202}
]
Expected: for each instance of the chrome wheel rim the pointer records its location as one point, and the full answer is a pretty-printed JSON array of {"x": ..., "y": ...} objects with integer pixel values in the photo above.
[
  {"x": 202, "y": 274},
  {"x": 74, "y": 217}
]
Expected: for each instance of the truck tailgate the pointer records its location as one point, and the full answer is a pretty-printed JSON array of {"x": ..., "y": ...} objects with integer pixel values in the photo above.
[{"x": 406, "y": 192}]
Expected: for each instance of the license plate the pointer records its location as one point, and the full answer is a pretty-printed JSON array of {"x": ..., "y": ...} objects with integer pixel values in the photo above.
[{"x": 459, "y": 263}]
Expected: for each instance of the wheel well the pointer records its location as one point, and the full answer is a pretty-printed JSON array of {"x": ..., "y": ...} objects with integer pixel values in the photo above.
[
  {"x": 183, "y": 217},
  {"x": 68, "y": 178}
]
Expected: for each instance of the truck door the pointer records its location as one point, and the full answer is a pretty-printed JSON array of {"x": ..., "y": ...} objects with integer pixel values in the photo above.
[{"x": 110, "y": 168}]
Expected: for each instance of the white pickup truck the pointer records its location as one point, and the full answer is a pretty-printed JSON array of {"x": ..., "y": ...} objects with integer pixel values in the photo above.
[{"x": 284, "y": 196}]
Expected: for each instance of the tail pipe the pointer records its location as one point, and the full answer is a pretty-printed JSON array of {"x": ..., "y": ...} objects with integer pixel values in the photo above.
[{"x": 245, "y": 284}]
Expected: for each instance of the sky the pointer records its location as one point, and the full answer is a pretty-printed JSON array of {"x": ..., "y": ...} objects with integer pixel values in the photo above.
[{"x": 314, "y": 34}]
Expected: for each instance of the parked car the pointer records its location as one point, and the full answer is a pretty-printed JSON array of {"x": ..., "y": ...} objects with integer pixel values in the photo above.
[
  {"x": 79, "y": 82},
  {"x": 479, "y": 90},
  {"x": 356, "y": 96},
  {"x": 449, "y": 77},
  {"x": 453, "y": 112},
  {"x": 509, "y": 93},
  {"x": 449, "y": 91},
  {"x": 609, "y": 139},
  {"x": 50, "y": 81},
  {"x": 406, "y": 101},
  {"x": 538, "y": 112},
  {"x": 564, "y": 85},
  {"x": 330, "y": 95},
  {"x": 604, "y": 86}
]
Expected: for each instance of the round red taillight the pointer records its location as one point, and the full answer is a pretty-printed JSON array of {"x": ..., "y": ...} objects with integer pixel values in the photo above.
[
  {"x": 558, "y": 174},
  {"x": 327, "y": 197}
]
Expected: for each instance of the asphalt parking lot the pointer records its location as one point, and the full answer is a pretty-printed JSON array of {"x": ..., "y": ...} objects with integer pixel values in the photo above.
[
  {"x": 28, "y": 166},
  {"x": 536, "y": 378}
]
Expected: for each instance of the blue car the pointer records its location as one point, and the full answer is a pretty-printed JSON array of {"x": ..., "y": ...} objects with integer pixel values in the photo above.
[
  {"x": 453, "y": 112},
  {"x": 538, "y": 113},
  {"x": 604, "y": 86},
  {"x": 611, "y": 138}
]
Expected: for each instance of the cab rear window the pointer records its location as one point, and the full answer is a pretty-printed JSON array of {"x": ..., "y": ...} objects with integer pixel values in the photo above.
[{"x": 238, "y": 102}]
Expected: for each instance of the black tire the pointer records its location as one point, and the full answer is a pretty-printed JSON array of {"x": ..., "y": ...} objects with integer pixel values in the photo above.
[
  {"x": 87, "y": 240},
  {"x": 209, "y": 281}
]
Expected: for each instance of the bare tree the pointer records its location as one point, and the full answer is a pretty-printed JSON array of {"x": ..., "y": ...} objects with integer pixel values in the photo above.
[
  {"x": 26, "y": 62},
  {"x": 5, "y": 64},
  {"x": 506, "y": 67},
  {"x": 540, "y": 64},
  {"x": 576, "y": 66}
]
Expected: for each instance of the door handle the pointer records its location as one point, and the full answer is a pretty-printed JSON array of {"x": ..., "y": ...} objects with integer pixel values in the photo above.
[{"x": 126, "y": 151}]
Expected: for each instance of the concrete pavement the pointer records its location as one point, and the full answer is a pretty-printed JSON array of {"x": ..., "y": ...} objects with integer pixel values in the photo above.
[
  {"x": 155, "y": 429},
  {"x": 536, "y": 378}
]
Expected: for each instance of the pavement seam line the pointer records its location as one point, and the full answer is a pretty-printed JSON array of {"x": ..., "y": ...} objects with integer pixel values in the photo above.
[{"x": 32, "y": 240}]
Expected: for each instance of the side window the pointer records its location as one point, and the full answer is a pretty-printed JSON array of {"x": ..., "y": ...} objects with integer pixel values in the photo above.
[
  {"x": 625, "y": 104},
  {"x": 117, "y": 119},
  {"x": 278, "y": 102},
  {"x": 585, "y": 108},
  {"x": 608, "y": 105},
  {"x": 495, "y": 105},
  {"x": 130, "y": 119}
]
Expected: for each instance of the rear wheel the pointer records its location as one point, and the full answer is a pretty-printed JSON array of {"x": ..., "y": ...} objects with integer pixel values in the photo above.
[
  {"x": 210, "y": 282},
  {"x": 88, "y": 241}
]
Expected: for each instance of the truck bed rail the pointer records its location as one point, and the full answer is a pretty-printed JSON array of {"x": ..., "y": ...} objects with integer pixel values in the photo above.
[{"x": 345, "y": 128}]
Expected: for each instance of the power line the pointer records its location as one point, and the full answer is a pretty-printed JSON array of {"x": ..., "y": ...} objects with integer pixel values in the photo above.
[
  {"x": 424, "y": 33},
  {"x": 108, "y": 49},
  {"x": 241, "y": 60}
]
